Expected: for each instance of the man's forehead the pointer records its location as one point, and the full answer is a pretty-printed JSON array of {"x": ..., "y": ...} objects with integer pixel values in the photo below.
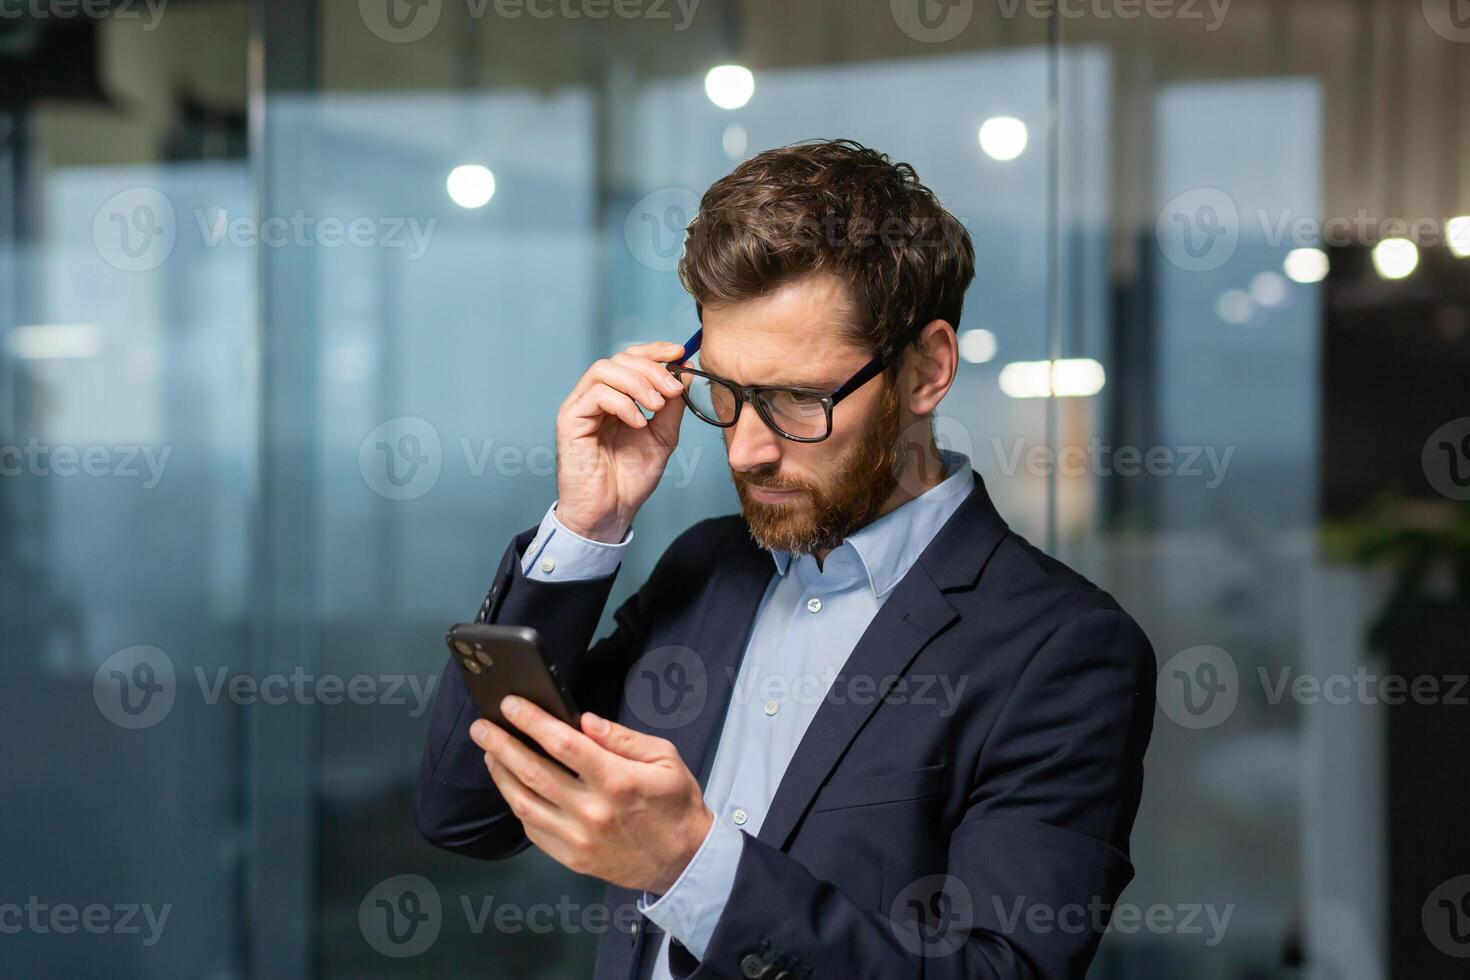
[{"x": 778, "y": 360}]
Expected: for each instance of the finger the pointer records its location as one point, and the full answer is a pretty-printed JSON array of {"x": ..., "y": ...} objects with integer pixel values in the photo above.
[
  {"x": 528, "y": 806},
  {"x": 623, "y": 741},
  {"x": 666, "y": 422},
  {"x": 657, "y": 375},
  {"x": 659, "y": 350},
  {"x": 624, "y": 378},
  {"x": 563, "y": 742},
  {"x": 601, "y": 400},
  {"x": 537, "y": 773}
]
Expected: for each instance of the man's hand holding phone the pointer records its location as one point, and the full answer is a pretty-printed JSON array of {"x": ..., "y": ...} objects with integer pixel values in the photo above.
[
  {"x": 609, "y": 457},
  {"x": 625, "y": 809}
]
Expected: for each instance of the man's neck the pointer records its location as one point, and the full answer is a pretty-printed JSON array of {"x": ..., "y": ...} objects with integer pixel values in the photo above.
[{"x": 925, "y": 474}]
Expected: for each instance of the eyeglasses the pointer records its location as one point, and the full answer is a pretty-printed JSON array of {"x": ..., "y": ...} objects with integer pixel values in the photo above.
[{"x": 792, "y": 412}]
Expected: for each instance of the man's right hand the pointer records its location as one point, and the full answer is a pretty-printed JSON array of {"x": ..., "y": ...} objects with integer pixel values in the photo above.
[{"x": 609, "y": 457}]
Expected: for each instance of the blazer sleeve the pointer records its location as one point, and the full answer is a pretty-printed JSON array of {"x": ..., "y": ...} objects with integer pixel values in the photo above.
[
  {"x": 1034, "y": 866},
  {"x": 456, "y": 805}
]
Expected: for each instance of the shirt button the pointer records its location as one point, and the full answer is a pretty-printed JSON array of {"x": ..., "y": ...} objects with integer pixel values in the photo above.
[
  {"x": 772, "y": 707},
  {"x": 814, "y": 604},
  {"x": 547, "y": 564},
  {"x": 739, "y": 817}
]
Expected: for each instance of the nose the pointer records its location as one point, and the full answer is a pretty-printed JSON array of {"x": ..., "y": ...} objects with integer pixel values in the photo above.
[{"x": 750, "y": 443}]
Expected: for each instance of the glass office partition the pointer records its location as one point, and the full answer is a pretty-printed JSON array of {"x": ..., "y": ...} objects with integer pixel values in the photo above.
[{"x": 290, "y": 292}]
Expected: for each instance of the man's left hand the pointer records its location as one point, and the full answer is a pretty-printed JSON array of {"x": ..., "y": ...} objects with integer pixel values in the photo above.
[{"x": 628, "y": 811}]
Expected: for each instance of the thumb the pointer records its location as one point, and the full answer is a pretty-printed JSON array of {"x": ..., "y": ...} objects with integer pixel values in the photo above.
[
  {"x": 623, "y": 741},
  {"x": 666, "y": 420}
]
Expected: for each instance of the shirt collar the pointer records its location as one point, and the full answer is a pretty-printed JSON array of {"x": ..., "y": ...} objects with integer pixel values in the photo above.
[{"x": 888, "y": 547}]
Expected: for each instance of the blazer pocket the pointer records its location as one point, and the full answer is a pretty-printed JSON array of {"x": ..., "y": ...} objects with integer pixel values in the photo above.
[{"x": 894, "y": 787}]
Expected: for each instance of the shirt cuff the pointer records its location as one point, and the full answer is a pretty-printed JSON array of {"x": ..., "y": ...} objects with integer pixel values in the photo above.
[
  {"x": 558, "y": 554},
  {"x": 691, "y": 908}
]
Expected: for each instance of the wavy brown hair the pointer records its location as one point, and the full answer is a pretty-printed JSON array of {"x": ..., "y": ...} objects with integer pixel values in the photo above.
[{"x": 832, "y": 206}]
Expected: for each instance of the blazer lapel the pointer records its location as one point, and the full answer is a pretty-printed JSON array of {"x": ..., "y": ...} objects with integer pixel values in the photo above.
[{"x": 915, "y": 612}]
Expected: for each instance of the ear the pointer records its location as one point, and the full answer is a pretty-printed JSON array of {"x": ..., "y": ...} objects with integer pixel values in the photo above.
[{"x": 931, "y": 366}]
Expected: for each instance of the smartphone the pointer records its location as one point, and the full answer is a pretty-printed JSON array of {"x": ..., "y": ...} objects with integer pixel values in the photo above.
[{"x": 499, "y": 660}]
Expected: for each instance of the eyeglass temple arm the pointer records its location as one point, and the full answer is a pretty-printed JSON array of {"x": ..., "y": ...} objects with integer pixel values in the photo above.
[
  {"x": 690, "y": 346},
  {"x": 858, "y": 380}
]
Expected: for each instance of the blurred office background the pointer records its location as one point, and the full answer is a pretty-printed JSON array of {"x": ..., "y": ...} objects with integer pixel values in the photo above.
[{"x": 290, "y": 291}]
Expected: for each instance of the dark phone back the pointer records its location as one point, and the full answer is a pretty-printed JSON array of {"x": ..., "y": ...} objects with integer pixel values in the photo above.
[{"x": 498, "y": 660}]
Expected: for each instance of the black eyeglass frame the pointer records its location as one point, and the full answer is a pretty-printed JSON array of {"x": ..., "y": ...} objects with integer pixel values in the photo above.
[{"x": 743, "y": 393}]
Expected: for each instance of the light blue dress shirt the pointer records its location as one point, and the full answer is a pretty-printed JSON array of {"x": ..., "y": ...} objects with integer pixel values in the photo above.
[{"x": 806, "y": 626}]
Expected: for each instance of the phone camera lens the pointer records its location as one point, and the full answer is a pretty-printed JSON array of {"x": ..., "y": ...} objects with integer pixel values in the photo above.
[
  {"x": 484, "y": 658},
  {"x": 462, "y": 647},
  {"x": 471, "y": 666}
]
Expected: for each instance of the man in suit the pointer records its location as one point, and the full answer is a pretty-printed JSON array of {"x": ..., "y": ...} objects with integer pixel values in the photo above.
[{"x": 860, "y": 729}]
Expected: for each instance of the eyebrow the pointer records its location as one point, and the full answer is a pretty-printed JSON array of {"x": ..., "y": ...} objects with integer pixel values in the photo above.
[{"x": 826, "y": 383}]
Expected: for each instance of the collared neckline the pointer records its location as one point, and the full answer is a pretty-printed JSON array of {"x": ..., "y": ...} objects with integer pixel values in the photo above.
[{"x": 887, "y": 548}]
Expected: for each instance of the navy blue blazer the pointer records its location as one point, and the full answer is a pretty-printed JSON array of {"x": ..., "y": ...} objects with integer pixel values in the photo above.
[{"x": 903, "y": 840}]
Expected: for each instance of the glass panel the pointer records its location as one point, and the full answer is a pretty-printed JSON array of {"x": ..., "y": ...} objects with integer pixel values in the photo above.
[
  {"x": 1224, "y": 183},
  {"x": 127, "y": 440}
]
